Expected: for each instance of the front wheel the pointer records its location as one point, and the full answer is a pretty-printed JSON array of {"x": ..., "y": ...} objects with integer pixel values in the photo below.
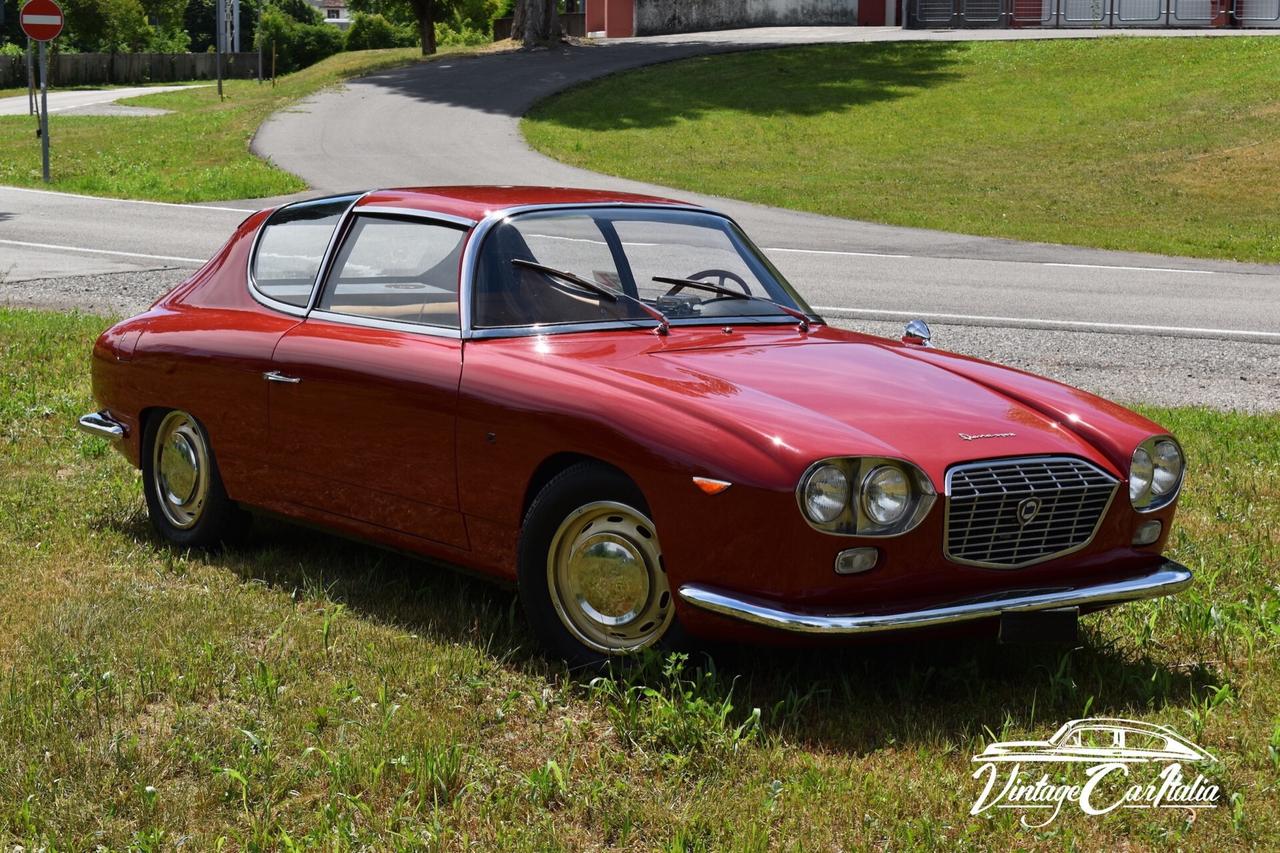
[
  {"x": 185, "y": 498},
  {"x": 591, "y": 575}
]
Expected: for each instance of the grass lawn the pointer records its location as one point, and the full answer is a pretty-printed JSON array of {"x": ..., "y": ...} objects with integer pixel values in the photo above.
[
  {"x": 302, "y": 691},
  {"x": 199, "y": 153},
  {"x": 1159, "y": 145}
]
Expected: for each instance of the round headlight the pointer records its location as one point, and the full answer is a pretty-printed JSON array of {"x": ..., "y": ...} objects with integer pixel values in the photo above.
[
  {"x": 1167, "y": 461},
  {"x": 1140, "y": 472},
  {"x": 886, "y": 494},
  {"x": 826, "y": 494}
]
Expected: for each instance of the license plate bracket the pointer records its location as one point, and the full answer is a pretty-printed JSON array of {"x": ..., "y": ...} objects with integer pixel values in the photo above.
[{"x": 1058, "y": 626}]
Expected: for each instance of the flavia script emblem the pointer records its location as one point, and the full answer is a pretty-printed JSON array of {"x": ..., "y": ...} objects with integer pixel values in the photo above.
[
  {"x": 1099, "y": 765},
  {"x": 978, "y": 436}
]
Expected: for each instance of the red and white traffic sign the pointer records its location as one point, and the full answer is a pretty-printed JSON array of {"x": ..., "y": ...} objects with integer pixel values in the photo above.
[{"x": 41, "y": 20}]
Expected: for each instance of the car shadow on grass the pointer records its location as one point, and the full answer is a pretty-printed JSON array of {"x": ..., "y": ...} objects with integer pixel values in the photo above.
[{"x": 853, "y": 699}]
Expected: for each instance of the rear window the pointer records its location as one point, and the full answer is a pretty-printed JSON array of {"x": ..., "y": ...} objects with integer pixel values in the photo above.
[{"x": 291, "y": 248}]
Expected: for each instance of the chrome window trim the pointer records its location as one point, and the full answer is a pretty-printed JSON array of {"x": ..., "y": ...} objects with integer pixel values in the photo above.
[
  {"x": 416, "y": 213},
  {"x": 390, "y": 325},
  {"x": 352, "y": 213},
  {"x": 470, "y": 260},
  {"x": 276, "y": 304},
  {"x": 986, "y": 463}
]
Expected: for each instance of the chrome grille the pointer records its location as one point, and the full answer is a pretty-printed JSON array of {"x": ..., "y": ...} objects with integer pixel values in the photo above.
[{"x": 984, "y": 526}]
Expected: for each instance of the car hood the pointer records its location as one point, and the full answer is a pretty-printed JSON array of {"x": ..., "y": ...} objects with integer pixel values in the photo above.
[{"x": 838, "y": 393}]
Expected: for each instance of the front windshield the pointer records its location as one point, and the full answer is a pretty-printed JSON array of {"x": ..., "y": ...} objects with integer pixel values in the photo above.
[{"x": 624, "y": 249}]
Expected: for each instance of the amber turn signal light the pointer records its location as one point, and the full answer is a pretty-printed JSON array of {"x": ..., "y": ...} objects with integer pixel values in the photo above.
[{"x": 710, "y": 486}]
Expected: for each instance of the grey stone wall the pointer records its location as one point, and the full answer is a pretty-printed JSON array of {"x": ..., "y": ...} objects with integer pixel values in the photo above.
[{"x": 656, "y": 17}]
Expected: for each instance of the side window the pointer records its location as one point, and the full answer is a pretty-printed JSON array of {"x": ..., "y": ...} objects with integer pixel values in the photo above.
[
  {"x": 291, "y": 248},
  {"x": 404, "y": 270}
]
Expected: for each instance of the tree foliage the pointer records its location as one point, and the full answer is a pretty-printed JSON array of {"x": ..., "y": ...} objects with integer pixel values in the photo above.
[
  {"x": 110, "y": 26},
  {"x": 293, "y": 44},
  {"x": 373, "y": 31},
  {"x": 438, "y": 21}
]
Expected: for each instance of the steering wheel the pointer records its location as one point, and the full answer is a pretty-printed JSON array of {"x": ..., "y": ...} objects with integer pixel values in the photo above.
[{"x": 723, "y": 276}]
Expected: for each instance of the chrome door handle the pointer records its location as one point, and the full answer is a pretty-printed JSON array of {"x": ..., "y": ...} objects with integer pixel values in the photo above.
[{"x": 277, "y": 376}]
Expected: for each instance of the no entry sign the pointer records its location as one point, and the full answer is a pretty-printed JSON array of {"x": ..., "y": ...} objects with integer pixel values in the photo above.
[{"x": 41, "y": 20}]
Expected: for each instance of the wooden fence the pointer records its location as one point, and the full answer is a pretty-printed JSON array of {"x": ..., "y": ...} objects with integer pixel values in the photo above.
[{"x": 90, "y": 69}]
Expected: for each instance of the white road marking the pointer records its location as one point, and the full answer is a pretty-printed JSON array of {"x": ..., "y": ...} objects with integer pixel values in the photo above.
[
  {"x": 847, "y": 254},
  {"x": 1135, "y": 269},
  {"x": 241, "y": 210},
  {"x": 1038, "y": 322},
  {"x": 102, "y": 252},
  {"x": 992, "y": 260}
]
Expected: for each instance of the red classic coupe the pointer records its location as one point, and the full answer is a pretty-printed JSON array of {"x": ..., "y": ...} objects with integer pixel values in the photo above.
[{"x": 617, "y": 402}]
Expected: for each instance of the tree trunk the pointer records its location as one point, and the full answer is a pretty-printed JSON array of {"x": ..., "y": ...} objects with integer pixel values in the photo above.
[
  {"x": 424, "y": 11},
  {"x": 517, "y": 20},
  {"x": 540, "y": 22}
]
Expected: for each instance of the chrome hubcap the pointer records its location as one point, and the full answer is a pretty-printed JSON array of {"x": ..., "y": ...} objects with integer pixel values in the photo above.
[
  {"x": 606, "y": 578},
  {"x": 180, "y": 469}
]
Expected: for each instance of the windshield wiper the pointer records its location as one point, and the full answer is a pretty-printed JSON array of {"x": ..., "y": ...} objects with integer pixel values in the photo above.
[
  {"x": 664, "y": 325},
  {"x": 800, "y": 316}
]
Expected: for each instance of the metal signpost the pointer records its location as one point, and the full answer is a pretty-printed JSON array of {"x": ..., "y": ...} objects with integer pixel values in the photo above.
[{"x": 42, "y": 21}]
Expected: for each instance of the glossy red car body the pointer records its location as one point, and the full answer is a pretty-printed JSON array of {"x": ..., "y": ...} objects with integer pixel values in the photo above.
[{"x": 436, "y": 445}]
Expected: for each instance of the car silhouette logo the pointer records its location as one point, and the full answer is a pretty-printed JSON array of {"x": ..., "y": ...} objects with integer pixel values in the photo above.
[
  {"x": 1100, "y": 739},
  {"x": 1028, "y": 509}
]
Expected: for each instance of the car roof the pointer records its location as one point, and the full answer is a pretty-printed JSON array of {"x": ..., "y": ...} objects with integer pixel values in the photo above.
[{"x": 476, "y": 202}]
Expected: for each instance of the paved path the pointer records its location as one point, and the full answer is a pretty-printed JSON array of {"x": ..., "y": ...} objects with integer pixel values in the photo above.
[{"x": 87, "y": 101}]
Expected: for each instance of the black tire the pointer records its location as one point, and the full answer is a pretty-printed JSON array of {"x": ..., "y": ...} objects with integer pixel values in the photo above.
[
  {"x": 217, "y": 520},
  {"x": 571, "y": 492}
]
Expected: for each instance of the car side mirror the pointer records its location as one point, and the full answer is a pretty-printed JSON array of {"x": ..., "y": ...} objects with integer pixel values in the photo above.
[{"x": 917, "y": 332}]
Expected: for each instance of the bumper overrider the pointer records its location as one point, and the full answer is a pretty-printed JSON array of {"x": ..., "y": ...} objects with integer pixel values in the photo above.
[
  {"x": 102, "y": 425},
  {"x": 1169, "y": 577}
]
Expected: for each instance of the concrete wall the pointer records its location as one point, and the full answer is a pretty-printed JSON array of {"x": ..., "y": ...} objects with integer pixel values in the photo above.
[{"x": 655, "y": 17}]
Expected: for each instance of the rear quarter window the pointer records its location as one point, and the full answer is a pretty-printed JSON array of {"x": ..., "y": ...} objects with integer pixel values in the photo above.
[{"x": 291, "y": 247}]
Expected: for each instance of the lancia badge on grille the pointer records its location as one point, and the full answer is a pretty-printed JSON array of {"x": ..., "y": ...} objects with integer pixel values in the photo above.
[{"x": 1028, "y": 509}]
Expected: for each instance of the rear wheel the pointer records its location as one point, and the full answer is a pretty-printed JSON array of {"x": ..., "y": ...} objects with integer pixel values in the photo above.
[
  {"x": 592, "y": 580},
  {"x": 185, "y": 498}
]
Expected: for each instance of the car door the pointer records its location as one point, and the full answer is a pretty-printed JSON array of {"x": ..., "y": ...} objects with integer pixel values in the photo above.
[{"x": 363, "y": 393}]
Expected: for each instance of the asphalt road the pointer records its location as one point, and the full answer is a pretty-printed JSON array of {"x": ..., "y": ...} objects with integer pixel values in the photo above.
[{"x": 456, "y": 121}]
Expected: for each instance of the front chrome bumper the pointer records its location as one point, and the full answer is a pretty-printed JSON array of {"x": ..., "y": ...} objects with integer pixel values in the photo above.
[
  {"x": 102, "y": 425},
  {"x": 1169, "y": 578}
]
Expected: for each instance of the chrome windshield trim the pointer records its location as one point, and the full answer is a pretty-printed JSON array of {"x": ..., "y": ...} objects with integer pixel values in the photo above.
[
  {"x": 391, "y": 325},
  {"x": 102, "y": 425},
  {"x": 1169, "y": 577},
  {"x": 642, "y": 325},
  {"x": 276, "y": 304}
]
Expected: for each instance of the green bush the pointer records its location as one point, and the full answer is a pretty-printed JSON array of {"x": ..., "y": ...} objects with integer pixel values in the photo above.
[
  {"x": 373, "y": 32},
  {"x": 11, "y": 49},
  {"x": 458, "y": 34},
  {"x": 296, "y": 45}
]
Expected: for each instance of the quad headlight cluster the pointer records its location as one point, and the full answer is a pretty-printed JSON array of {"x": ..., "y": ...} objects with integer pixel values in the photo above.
[
  {"x": 864, "y": 496},
  {"x": 1155, "y": 474}
]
